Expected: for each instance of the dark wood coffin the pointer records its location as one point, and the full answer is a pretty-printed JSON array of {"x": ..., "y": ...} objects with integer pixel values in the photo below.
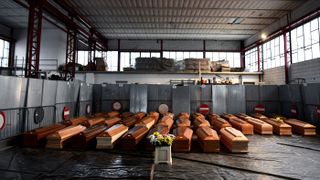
[
  {"x": 37, "y": 137},
  {"x": 87, "y": 138},
  {"x": 183, "y": 122},
  {"x": 212, "y": 117},
  {"x": 93, "y": 121},
  {"x": 183, "y": 115},
  {"x": 260, "y": 126},
  {"x": 131, "y": 139},
  {"x": 159, "y": 128},
  {"x": 208, "y": 139},
  {"x": 108, "y": 138},
  {"x": 279, "y": 126},
  {"x": 113, "y": 114},
  {"x": 301, "y": 127},
  {"x": 155, "y": 115},
  {"x": 112, "y": 121},
  {"x": 220, "y": 123},
  {"x": 198, "y": 115},
  {"x": 58, "y": 138},
  {"x": 127, "y": 114},
  {"x": 76, "y": 121},
  {"x": 200, "y": 122},
  {"x": 139, "y": 115},
  {"x": 148, "y": 122},
  {"x": 239, "y": 124},
  {"x": 166, "y": 121},
  {"x": 129, "y": 122},
  {"x": 234, "y": 140},
  {"x": 182, "y": 143}
]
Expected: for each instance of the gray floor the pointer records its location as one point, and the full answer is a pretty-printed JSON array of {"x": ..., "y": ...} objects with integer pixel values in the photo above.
[{"x": 270, "y": 157}]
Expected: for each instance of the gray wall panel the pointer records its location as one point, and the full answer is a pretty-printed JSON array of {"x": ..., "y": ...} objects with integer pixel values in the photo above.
[
  {"x": 10, "y": 92},
  {"x": 236, "y": 102},
  {"x": 269, "y": 93},
  {"x": 206, "y": 93},
  {"x": 59, "y": 110},
  {"x": 13, "y": 124},
  {"x": 250, "y": 105},
  {"x": 311, "y": 115},
  {"x": 195, "y": 93},
  {"x": 138, "y": 98},
  {"x": 252, "y": 93},
  {"x": 165, "y": 92},
  {"x": 180, "y": 99},
  {"x": 106, "y": 106},
  {"x": 97, "y": 97},
  {"x": 219, "y": 99},
  {"x": 49, "y": 93},
  {"x": 272, "y": 107},
  {"x": 311, "y": 94},
  {"x": 62, "y": 92},
  {"x": 153, "y": 92},
  {"x": 124, "y": 92},
  {"x": 34, "y": 98},
  {"x": 110, "y": 91}
]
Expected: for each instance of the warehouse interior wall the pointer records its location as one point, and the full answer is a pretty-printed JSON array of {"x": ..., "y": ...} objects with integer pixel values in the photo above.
[
  {"x": 274, "y": 76},
  {"x": 307, "y": 70}
]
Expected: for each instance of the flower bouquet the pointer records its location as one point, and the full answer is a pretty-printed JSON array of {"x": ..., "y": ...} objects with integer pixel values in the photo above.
[{"x": 158, "y": 139}]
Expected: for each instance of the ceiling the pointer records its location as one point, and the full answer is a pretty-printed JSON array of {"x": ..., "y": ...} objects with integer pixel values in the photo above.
[
  {"x": 182, "y": 19},
  {"x": 167, "y": 19}
]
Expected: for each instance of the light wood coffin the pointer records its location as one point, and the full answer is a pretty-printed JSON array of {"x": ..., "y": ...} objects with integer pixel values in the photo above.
[
  {"x": 108, "y": 138},
  {"x": 166, "y": 121},
  {"x": 93, "y": 121},
  {"x": 127, "y": 114},
  {"x": 57, "y": 139},
  {"x": 184, "y": 115},
  {"x": 77, "y": 121},
  {"x": 234, "y": 140},
  {"x": 182, "y": 142},
  {"x": 139, "y": 115},
  {"x": 37, "y": 137},
  {"x": 87, "y": 138},
  {"x": 159, "y": 128},
  {"x": 279, "y": 126},
  {"x": 183, "y": 122},
  {"x": 112, "y": 121},
  {"x": 198, "y": 115},
  {"x": 239, "y": 124},
  {"x": 208, "y": 139},
  {"x": 148, "y": 122},
  {"x": 200, "y": 122},
  {"x": 212, "y": 117},
  {"x": 301, "y": 127},
  {"x": 113, "y": 114},
  {"x": 260, "y": 126},
  {"x": 155, "y": 115},
  {"x": 131, "y": 139},
  {"x": 220, "y": 123}
]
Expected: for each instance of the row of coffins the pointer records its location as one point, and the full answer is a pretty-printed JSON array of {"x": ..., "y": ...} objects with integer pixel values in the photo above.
[{"x": 128, "y": 130}]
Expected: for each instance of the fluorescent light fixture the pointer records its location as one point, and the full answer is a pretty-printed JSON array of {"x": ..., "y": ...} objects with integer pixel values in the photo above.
[{"x": 263, "y": 36}]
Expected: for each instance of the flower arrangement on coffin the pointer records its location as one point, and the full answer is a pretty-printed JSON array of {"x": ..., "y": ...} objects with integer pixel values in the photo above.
[
  {"x": 162, "y": 145},
  {"x": 158, "y": 139}
]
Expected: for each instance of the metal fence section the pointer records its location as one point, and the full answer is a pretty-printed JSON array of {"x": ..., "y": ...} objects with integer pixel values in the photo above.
[
  {"x": 159, "y": 94},
  {"x": 85, "y": 99},
  {"x": 311, "y": 99},
  {"x": 180, "y": 99},
  {"x": 138, "y": 98}
]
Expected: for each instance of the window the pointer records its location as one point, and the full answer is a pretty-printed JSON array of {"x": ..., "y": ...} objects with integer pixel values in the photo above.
[
  {"x": 128, "y": 59},
  {"x": 251, "y": 58},
  {"x": 112, "y": 60},
  {"x": 181, "y": 55},
  {"x": 273, "y": 53},
  {"x": 83, "y": 57},
  {"x": 233, "y": 57},
  {"x": 4, "y": 53}
]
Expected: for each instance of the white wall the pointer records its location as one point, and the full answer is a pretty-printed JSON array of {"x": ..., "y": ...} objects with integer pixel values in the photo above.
[
  {"x": 154, "y": 78},
  {"x": 274, "y": 76}
]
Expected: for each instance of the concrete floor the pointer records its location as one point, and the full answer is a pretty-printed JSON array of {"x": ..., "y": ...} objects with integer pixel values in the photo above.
[{"x": 269, "y": 157}]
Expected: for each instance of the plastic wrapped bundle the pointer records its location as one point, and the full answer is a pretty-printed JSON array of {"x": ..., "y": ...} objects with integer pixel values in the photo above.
[
  {"x": 193, "y": 64},
  {"x": 155, "y": 64}
]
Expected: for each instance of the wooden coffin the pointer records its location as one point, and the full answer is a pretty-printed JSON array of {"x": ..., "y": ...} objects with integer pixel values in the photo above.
[
  {"x": 126, "y": 114},
  {"x": 93, "y": 121},
  {"x": 77, "y": 121},
  {"x": 184, "y": 115},
  {"x": 220, "y": 123},
  {"x": 200, "y": 122},
  {"x": 87, "y": 138},
  {"x": 198, "y": 115},
  {"x": 129, "y": 122},
  {"x": 131, "y": 139},
  {"x": 279, "y": 126},
  {"x": 113, "y": 114},
  {"x": 212, "y": 117},
  {"x": 155, "y": 115},
  {"x": 161, "y": 129},
  {"x": 166, "y": 121},
  {"x": 101, "y": 114},
  {"x": 260, "y": 126},
  {"x": 139, "y": 115},
  {"x": 112, "y": 121},
  {"x": 57, "y": 139},
  {"x": 208, "y": 139},
  {"x": 234, "y": 140},
  {"x": 37, "y": 137},
  {"x": 182, "y": 143},
  {"x": 148, "y": 122},
  {"x": 239, "y": 124},
  {"x": 301, "y": 127},
  {"x": 108, "y": 138},
  {"x": 183, "y": 122}
]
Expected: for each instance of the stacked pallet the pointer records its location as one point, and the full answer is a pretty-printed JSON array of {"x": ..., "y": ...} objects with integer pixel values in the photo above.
[
  {"x": 234, "y": 140},
  {"x": 208, "y": 139},
  {"x": 131, "y": 139},
  {"x": 260, "y": 126},
  {"x": 87, "y": 138},
  {"x": 279, "y": 126},
  {"x": 301, "y": 127},
  {"x": 109, "y": 122},
  {"x": 108, "y": 138},
  {"x": 219, "y": 123},
  {"x": 182, "y": 143},
  {"x": 37, "y": 137},
  {"x": 58, "y": 139},
  {"x": 239, "y": 124}
]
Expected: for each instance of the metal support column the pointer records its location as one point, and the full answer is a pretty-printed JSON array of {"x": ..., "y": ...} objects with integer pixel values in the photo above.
[
  {"x": 71, "y": 54},
  {"x": 259, "y": 60},
  {"x": 286, "y": 64},
  {"x": 34, "y": 38}
]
